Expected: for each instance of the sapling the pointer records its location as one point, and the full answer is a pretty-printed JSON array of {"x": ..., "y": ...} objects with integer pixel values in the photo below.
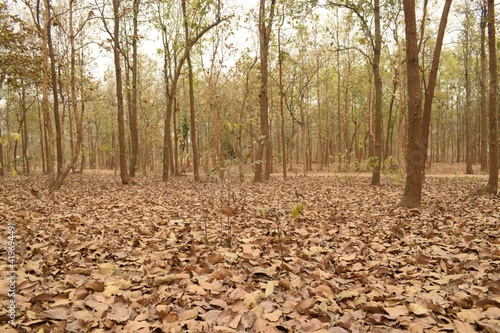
[
  {"x": 297, "y": 209},
  {"x": 204, "y": 204},
  {"x": 273, "y": 212},
  {"x": 229, "y": 212}
]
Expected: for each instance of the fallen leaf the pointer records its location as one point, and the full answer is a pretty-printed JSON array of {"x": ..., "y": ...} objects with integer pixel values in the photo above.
[{"x": 418, "y": 309}]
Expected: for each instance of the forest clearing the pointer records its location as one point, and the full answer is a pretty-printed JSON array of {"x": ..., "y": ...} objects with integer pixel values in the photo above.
[
  {"x": 100, "y": 256},
  {"x": 249, "y": 166}
]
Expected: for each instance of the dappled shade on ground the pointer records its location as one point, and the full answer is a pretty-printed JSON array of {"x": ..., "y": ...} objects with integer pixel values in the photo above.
[{"x": 100, "y": 256}]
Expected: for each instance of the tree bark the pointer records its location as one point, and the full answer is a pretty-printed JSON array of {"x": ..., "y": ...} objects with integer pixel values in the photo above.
[
  {"x": 264, "y": 144},
  {"x": 125, "y": 178},
  {"x": 282, "y": 97},
  {"x": 429, "y": 92},
  {"x": 74, "y": 107},
  {"x": 418, "y": 122},
  {"x": 26, "y": 164},
  {"x": 55, "y": 97},
  {"x": 492, "y": 186},
  {"x": 172, "y": 87},
  {"x": 378, "y": 96},
  {"x": 416, "y": 154},
  {"x": 483, "y": 108},
  {"x": 192, "y": 111},
  {"x": 134, "y": 134},
  {"x": 468, "y": 102},
  {"x": 45, "y": 97}
]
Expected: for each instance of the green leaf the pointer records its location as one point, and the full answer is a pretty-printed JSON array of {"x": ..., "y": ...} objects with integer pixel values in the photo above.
[
  {"x": 300, "y": 209},
  {"x": 16, "y": 136},
  {"x": 295, "y": 212}
]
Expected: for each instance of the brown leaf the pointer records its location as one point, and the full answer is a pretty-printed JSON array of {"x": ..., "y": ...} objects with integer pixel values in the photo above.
[
  {"x": 188, "y": 314},
  {"x": 397, "y": 311},
  {"x": 305, "y": 305},
  {"x": 462, "y": 327},
  {"x": 166, "y": 279},
  {"x": 42, "y": 298},
  {"x": 119, "y": 312},
  {"x": 418, "y": 309},
  {"x": 59, "y": 313},
  {"x": 273, "y": 316}
]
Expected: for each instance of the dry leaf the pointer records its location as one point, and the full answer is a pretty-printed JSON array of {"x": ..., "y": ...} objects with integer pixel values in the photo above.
[
  {"x": 418, "y": 309},
  {"x": 166, "y": 279},
  {"x": 106, "y": 268}
]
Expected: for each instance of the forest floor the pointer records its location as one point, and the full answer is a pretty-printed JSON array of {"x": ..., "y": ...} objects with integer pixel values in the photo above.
[{"x": 98, "y": 256}]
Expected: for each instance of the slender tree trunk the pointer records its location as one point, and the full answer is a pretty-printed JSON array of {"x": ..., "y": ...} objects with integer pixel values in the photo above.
[
  {"x": 26, "y": 164},
  {"x": 55, "y": 97},
  {"x": 74, "y": 107},
  {"x": 416, "y": 159},
  {"x": 390, "y": 124},
  {"x": 419, "y": 123},
  {"x": 492, "y": 186},
  {"x": 194, "y": 139},
  {"x": 339, "y": 120},
  {"x": 119, "y": 95},
  {"x": 468, "y": 101},
  {"x": 2, "y": 164},
  {"x": 45, "y": 97},
  {"x": 41, "y": 128},
  {"x": 320, "y": 118},
  {"x": 265, "y": 29},
  {"x": 134, "y": 133},
  {"x": 171, "y": 88},
  {"x": 347, "y": 101},
  {"x": 378, "y": 96},
  {"x": 282, "y": 98},
  {"x": 402, "y": 111},
  {"x": 192, "y": 111},
  {"x": 483, "y": 108},
  {"x": 429, "y": 92},
  {"x": 176, "y": 137}
]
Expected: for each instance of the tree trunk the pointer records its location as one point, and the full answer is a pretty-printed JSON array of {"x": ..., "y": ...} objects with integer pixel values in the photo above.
[
  {"x": 390, "y": 124},
  {"x": 42, "y": 136},
  {"x": 492, "y": 186},
  {"x": 171, "y": 87},
  {"x": 416, "y": 154},
  {"x": 419, "y": 123},
  {"x": 176, "y": 137},
  {"x": 378, "y": 96},
  {"x": 55, "y": 97},
  {"x": 265, "y": 144},
  {"x": 74, "y": 107},
  {"x": 134, "y": 134},
  {"x": 125, "y": 178},
  {"x": 429, "y": 92},
  {"x": 282, "y": 97},
  {"x": 468, "y": 102},
  {"x": 402, "y": 110},
  {"x": 194, "y": 142},
  {"x": 192, "y": 113},
  {"x": 26, "y": 164},
  {"x": 339, "y": 120},
  {"x": 483, "y": 109},
  {"x": 1, "y": 155},
  {"x": 45, "y": 97}
]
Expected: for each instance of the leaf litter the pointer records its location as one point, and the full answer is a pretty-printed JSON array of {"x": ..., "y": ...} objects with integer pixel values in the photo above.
[{"x": 98, "y": 256}]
